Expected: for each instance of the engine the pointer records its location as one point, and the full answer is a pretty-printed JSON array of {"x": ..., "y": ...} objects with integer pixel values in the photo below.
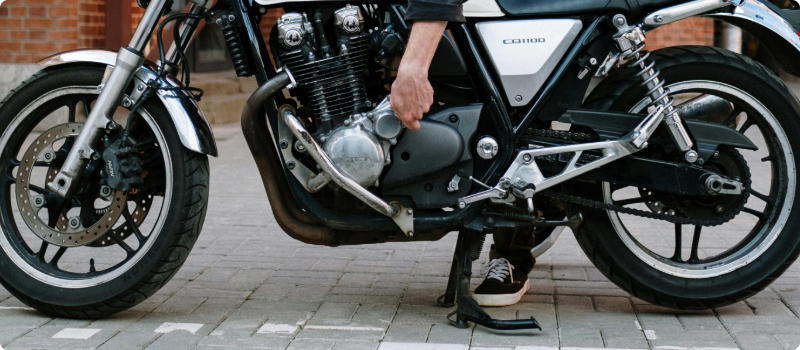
[{"x": 331, "y": 84}]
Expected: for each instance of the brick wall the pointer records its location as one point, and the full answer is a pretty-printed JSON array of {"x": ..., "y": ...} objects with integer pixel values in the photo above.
[
  {"x": 32, "y": 29},
  {"x": 692, "y": 31}
]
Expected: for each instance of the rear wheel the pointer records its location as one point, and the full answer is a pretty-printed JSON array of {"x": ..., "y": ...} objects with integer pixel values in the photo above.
[
  {"x": 696, "y": 267},
  {"x": 100, "y": 251}
]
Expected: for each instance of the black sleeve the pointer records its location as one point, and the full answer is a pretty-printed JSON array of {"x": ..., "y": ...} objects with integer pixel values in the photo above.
[{"x": 435, "y": 10}]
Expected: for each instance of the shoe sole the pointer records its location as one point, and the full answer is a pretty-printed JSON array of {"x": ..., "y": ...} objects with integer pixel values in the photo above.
[{"x": 501, "y": 299}]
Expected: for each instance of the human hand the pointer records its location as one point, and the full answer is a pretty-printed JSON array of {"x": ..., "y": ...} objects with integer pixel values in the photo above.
[{"x": 412, "y": 95}]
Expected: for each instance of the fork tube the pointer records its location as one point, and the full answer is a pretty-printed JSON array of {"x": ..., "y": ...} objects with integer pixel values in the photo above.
[
  {"x": 129, "y": 60},
  {"x": 187, "y": 32}
]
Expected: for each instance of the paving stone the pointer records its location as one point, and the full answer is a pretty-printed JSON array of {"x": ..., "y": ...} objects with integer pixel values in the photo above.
[
  {"x": 447, "y": 334},
  {"x": 408, "y": 332},
  {"x": 130, "y": 340},
  {"x": 758, "y": 342},
  {"x": 311, "y": 344}
]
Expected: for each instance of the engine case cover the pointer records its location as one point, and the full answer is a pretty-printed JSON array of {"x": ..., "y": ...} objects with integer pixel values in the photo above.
[{"x": 357, "y": 153}]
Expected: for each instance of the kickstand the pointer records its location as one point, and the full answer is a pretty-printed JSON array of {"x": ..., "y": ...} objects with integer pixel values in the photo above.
[{"x": 458, "y": 292}]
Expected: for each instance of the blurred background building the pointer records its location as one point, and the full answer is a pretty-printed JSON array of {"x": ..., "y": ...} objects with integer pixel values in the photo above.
[{"x": 34, "y": 29}]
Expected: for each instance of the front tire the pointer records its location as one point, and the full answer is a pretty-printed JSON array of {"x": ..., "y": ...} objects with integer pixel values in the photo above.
[
  {"x": 721, "y": 277},
  {"x": 82, "y": 284}
]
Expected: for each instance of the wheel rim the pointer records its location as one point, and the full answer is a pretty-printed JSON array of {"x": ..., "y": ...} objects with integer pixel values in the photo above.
[
  {"x": 770, "y": 222},
  {"x": 130, "y": 222}
]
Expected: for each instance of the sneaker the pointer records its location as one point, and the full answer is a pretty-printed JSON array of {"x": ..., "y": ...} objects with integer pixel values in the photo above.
[{"x": 504, "y": 285}]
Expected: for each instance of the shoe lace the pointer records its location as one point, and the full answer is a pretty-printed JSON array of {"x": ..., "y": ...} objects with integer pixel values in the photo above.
[{"x": 498, "y": 269}]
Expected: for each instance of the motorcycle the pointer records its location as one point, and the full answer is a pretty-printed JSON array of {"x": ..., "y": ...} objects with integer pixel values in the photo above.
[{"x": 104, "y": 154}]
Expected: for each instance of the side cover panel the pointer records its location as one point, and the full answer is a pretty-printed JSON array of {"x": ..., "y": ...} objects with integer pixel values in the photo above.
[{"x": 526, "y": 52}]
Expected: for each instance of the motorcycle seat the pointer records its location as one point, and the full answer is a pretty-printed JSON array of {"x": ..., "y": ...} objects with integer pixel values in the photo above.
[{"x": 570, "y": 7}]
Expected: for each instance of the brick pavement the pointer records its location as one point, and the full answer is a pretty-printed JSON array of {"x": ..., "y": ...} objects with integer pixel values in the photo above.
[{"x": 248, "y": 285}]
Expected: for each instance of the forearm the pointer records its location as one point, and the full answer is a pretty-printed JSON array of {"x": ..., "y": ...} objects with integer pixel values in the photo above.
[{"x": 422, "y": 44}]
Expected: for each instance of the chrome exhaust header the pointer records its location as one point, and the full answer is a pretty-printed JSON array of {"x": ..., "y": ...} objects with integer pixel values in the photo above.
[{"x": 403, "y": 217}]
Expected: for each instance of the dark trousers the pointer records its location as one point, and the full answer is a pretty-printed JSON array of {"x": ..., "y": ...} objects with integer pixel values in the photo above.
[{"x": 514, "y": 245}]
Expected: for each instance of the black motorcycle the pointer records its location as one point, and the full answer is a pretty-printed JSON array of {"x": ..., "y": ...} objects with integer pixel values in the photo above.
[{"x": 105, "y": 154}]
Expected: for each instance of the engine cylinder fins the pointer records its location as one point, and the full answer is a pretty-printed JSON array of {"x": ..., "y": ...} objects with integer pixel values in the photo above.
[{"x": 332, "y": 86}]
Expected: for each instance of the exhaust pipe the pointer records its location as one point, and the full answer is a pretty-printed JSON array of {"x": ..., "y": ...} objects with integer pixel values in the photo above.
[{"x": 295, "y": 222}]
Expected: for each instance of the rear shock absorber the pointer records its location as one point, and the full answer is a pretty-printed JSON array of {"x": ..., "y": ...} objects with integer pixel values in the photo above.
[
  {"x": 235, "y": 47},
  {"x": 631, "y": 42}
]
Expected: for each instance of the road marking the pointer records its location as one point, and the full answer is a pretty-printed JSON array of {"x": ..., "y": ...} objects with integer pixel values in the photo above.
[
  {"x": 650, "y": 334},
  {"x": 345, "y": 328},
  {"x": 168, "y": 327},
  {"x": 421, "y": 346},
  {"x": 269, "y": 328},
  {"x": 16, "y": 308},
  {"x": 684, "y": 348},
  {"x": 638, "y": 325},
  {"x": 76, "y": 333}
]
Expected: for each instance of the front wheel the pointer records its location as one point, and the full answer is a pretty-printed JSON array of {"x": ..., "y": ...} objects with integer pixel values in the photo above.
[
  {"x": 697, "y": 267},
  {"x": 100, "y": 251}
]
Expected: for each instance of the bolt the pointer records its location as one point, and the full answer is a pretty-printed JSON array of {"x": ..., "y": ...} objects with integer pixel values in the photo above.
[
  {"x": 410, "y": 233},
  {"x": 659, "y": 19},
  {"x": 347, "y": 122},
  {"x": 371, "y": 115},
  {"x": 262, "y": 10},
  {"x": 527, "y": 158},
  {"x": 111, "y": 126},
  {"x": 74, "y": 222},
  {"x": 716, "y": 154},
  {"x": 299, "y": 147},
  {"x": 284, "y": 144},
  {"x": 454, "y": 119},
  {"x": 691, "y": 156},
  {"x": 593, "y": 61},
  {"x": 737, "y": 179},
  {"x": 720, "y": 209},
  {"x": 105, "y": 191},
  {"x": 95, "y": 156},
  {"x": 231, "y": 18},
  {"x": 39, "y": 201},
  {"x": 462, "y": 205},
  {"x": 687, "y": 202},
  {"x": 490, "y": 221},
  {"x": 518, "y": 98},
  {"x": 219, "y": 21},
  {"x": 701, "y": 161},
  {"x": 290, "y": 165},
  {"x": 126, "y": 102},
  {"x": 410, "y": 212},
  {"x": 619, "y": 20},
  {"x": 49, "y": 156},
  {"x": 140, "y": 88}
]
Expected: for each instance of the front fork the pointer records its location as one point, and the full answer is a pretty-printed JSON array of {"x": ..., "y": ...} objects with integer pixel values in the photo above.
[{"x": 129, "y": 60}]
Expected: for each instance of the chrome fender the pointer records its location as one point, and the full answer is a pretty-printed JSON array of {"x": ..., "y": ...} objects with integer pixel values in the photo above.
[
  {"x": 190, "y": 121},
  {"x": 772, "y": 27}
]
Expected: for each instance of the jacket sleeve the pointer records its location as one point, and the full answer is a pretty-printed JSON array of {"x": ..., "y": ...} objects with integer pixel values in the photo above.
[{"x": 435, "y": 10}]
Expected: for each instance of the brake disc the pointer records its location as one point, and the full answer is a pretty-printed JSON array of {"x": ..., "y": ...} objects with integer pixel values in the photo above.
[{"x": 62, "y": 234}]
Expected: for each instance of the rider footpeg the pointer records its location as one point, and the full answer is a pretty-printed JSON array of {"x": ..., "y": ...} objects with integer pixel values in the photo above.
[{"x": 121, "y": 168}]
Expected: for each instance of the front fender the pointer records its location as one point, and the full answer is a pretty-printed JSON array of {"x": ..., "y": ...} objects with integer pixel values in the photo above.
[
  {"x": 777, "y": 29},
  {"x": 190, "y": 121}
]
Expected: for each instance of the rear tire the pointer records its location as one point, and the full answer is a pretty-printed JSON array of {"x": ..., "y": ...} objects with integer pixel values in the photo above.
[
  {"x": 601, "y": 240},
  {"x": 181, "y": 217}
]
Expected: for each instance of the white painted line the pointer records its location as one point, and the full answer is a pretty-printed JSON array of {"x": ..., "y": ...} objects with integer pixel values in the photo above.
[
  {"x": 345, "y": 328},
  {"x": 218, "y": 333},
  {"x": 76, "y": 333},
  {"x": 535, "y": 348},
  {"x": 421, "y": 346},
  {"x": 684, "y": 348},
  {"x": 269, "y": 328},
  {"x": 593, "y": 349},
  {"x": 168, "y": 327},
  {"x": 16, "y": 308},
  {"x": 481, "y": 348},
  {"x": 638, "y": 325},
  {"x": 650, "y": 334}
]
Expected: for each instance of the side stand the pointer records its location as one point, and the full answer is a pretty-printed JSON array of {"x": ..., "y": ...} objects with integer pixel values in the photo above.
[{"x": 458, "y": 292}]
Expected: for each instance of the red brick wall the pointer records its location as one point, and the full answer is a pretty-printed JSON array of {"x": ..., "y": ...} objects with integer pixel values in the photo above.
[
  {"x": 32, "y": 29},
  {"x": 692, "y": 31}
]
